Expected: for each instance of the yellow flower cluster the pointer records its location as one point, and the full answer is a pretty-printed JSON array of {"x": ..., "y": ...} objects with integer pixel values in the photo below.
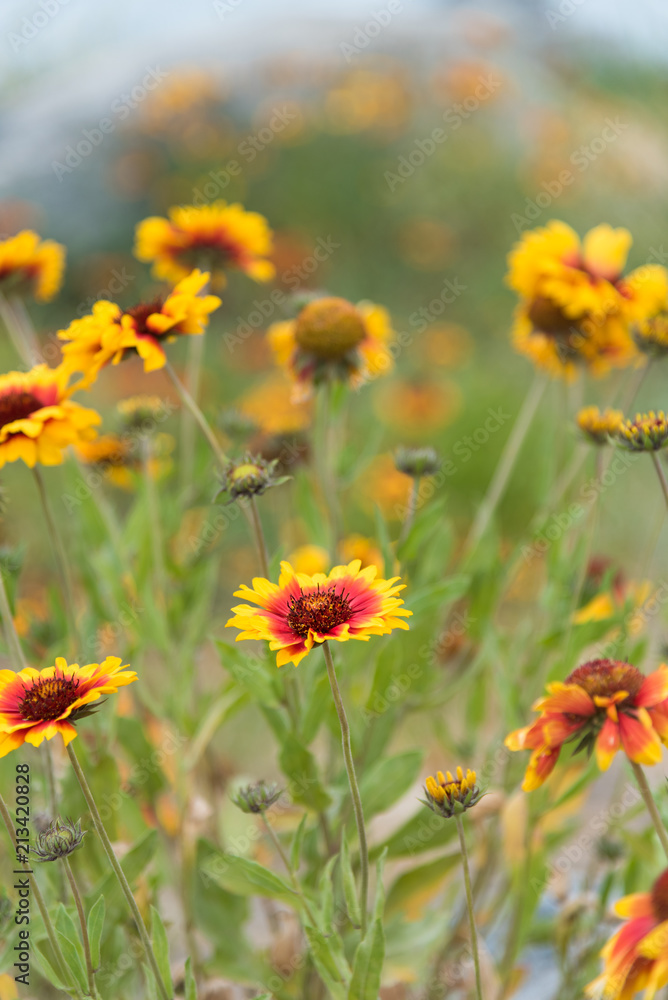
[
  {"x": 25, "y": 258},
  {"x": 576, "y": 306}
]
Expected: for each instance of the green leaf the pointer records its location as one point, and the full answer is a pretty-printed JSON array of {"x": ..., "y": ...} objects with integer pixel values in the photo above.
[
  {"x": 387, "y": 780},
  {"x": 326, "y": 895},
  {"x": 379, "y": 905},
  {"x": 247, "y": 878},
  {"x": 68, "y": 939},
  {"x": 94, "y": 925},
  {"x": 161, "y": 948},
  {"x": 349, "y": 887},
  {"x": 191, "y": 985},
  {"x": 415, "y": 886},
  {"x": 46, "y": 963},
  {"x": 383, "y": 535},
  {"x": 325, "y": 963},
  {"x": 423, "y": 832},
  {"x": 368, "y": 964},
  {"x": 297, "y": 841}
]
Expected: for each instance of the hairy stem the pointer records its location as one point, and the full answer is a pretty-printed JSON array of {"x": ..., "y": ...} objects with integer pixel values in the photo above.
[
  {"x": 650, "y": 805},
  {"x": 201, "y": 420},
  {"x": 90, "y": 972},
  {"x": 352, "y": 780},
  {"x": 469, "y": 904}
]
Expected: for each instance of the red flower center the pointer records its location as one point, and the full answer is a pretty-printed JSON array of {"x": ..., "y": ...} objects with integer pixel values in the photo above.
[
  {"x": 17, "y": 405},
  {"x": 660, "y": 897},
  {"x": 320, "y": 612},
  {"x": 141, "y": 313},
  {"x": 206, "y": 252},
  {"x": 48, "y": 698},
  {"x": 603, "y": 678}
]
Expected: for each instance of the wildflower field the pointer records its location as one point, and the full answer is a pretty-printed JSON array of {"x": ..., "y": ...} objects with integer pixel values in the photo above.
[{"x": 332, "y": 554}]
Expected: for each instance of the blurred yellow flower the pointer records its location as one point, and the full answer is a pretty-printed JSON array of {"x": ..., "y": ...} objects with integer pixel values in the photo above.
[
  {"x": 418, "y": 406},
  {"x": 332, "y": 338},
  {"x": 575, "y": 305},
  {"x": 309, "y": 559},
  {"x": 38, "y": 420},
  {"x": 220, "y": 237},
  {"x": 27, "y": 258},
  {"x": 364, "y": 549},
  {"x": 599, "y": 426},
  {"x": 271, "y": 406},
  {"x": 382, "y": 484}
]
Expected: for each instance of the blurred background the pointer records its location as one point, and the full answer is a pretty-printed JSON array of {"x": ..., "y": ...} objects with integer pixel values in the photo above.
[
  {"x": 398, "y": 148},
  {"x": 321, "y": 116}
]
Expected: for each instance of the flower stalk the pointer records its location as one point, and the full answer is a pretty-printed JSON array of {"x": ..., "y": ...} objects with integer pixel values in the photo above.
[
  {"x": 469, "y": 905},
  {"x": 90, "y": 972},
  {"x": 650, "y": 804},
  {"x": 354, "y": 787},
  {"x": 60, "y": 554},
  {"x": 201, "y": 420}
]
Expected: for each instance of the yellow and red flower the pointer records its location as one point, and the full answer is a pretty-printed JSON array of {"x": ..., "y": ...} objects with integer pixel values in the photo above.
[
  {"x": 36, "y": 705},
  {"x": 110, "y": 334},
  {"x": 303, "y": 611},
  {"x": 451, "y": 796},
  {"x": 220, "y": 237},
  {"x": 332, "y": 338},
  {"x": 27, "y": 258},
  {"x": 636, "y": 957},
  {"x": 576, "y": 307},
  {"x": 606, "y": 705},
  {"x": 38, "y": 420}
]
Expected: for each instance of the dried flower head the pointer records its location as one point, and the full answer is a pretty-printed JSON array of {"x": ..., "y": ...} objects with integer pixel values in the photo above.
[
  {"x": 417, "y": 462},
  {"x": 143, "y": 412},
  {"x": 599, "y": 426},
  {"x": 451, "y": 796},
  {"x": 647, "y": 432},
  {"x": 61, "y": 838},
  {"x": 257, "y": 798},
  {"x": 249, "y": 477}
]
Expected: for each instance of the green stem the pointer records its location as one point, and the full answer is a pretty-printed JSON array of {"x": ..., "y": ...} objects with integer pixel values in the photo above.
[
  {"x": 160, "y": 574},
  {"x": 412, "y": 507},
  {"x": 118, "y": 871},
  {"x": 61, "y": 555},
  {"x": 469, "y": 904},
  {"x": 90, "y": 972},
  {"x": 258, "y": 535},
  {"x": 203, "y": 423},
  {"x": 650, "y": 805},
  {"x": 661, "y": 474},
  {"x": 20, "y": 329},
  {"x": 187, "y": 444},
  {"x": 325, "y": 449},
  {"x": 352, "y": 780},
  {"x": 293, "y": 878},
  {"x": 11, "y": 635},
  {"x": 506, "y": 464},
  {"x": 63, "y": 969}
]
